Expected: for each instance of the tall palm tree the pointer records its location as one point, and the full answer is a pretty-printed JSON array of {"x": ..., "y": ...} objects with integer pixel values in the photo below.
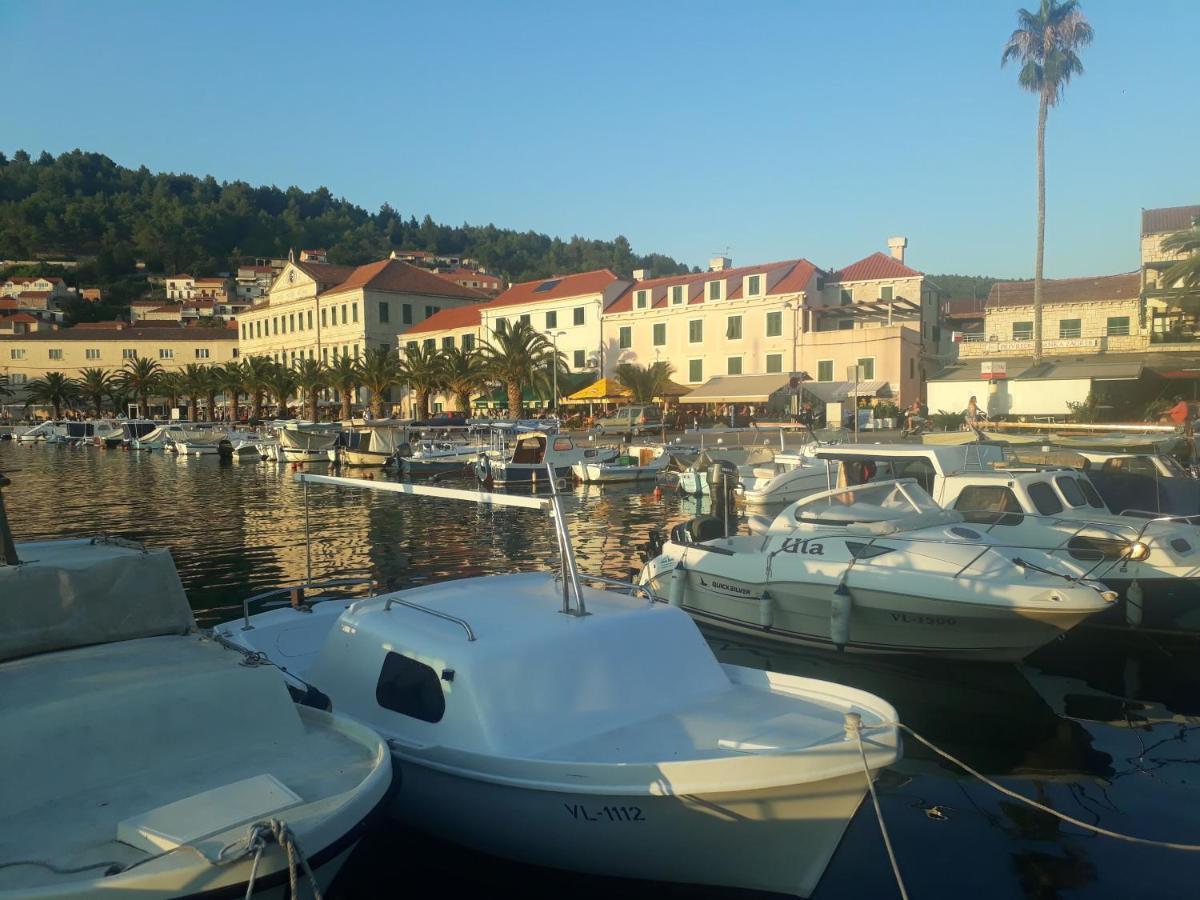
[
  {"x": 421, "y": 369},
  {"x": 119, "y": 396},
  {"x": 171, "y": 386},
  {"x": 1185, "y": 274},
  {"x": 343, "y": 376},
  {"x": 5, "y": 390},
  {"x": 379, "y": 371},
  {"x": 255, "y": 372},
  {"x": 311, "y": 378},
  {"x": 94, "y": 384},
  {"x": 1046, "y": 43},
  {"x": 519, "y": 357},
  {"x": 195, "y": 386},
  {"x": 53, "y": 389},
  {"x": 229, "y": 379},
  {"x": 645, "y": 382},
  {"x": 462, "y": 375},
  {"x": 140, "y": 377},
  {"x": 281, "y": 385}
]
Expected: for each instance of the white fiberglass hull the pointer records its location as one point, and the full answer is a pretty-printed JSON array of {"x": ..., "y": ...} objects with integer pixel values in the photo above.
[
  {"x": 787, "y": 487},
  {"x": 603, "y": 473}
]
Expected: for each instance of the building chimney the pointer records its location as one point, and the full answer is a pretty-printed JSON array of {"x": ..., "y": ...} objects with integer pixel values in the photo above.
[
  {"x": 641, "y": 274},
  {"x": 720, "y": 264},
  {"x": 896, "y": 245}
]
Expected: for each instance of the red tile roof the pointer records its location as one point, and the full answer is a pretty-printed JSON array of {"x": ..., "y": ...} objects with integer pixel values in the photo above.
[
  {"x": 798, "y": 272},
  {"x": 30, "y": 279},
  {"x": 18, "y": 317},
  {"x": 9, "y": 303},
  {"x": 163, "y": 331},
  {"x": 34, "y": 295},
  {"x": 877, "y": 265},
  {"x": 399, "y": 277},
  {"x": 324, "y": 274},
  {"x": 1172, "y": 218},
  {"x": 1067, "y": 290},
  {"x": 594, "y": 282},
  {"x": 446, "y": 319},
  {"x": 115, "y": 325}
]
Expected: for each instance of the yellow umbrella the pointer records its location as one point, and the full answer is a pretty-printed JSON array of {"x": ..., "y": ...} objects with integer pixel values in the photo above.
[{"x": 598, "y": 392}]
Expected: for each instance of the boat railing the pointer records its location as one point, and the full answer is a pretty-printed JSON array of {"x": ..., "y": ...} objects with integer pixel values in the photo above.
[
  {"x": 462, "y": 623},
  {"x": 289, "y": 588}
]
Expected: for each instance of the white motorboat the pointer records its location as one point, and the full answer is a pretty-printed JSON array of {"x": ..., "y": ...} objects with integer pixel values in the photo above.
[
  {"x": 537, "y": 719},
  {"x": 145, "y": 760},
  {"x": 877, "y": 568},
  {"x": 43, "y": 432},
  {"x": 371, "y": 444},
  {"x": 156, "y": 439},
  {"x": 533, "y": 452},
  {"x": 133, "y": 430},
  {"x": 202, "y": 440},
  {"x": 694, "y": 480},
  {"x": 635, "y": 463},
  {"x": 89, "y": 431},
  {"x": 786, "y": 478},
  {"x": 308, "y": 443}
]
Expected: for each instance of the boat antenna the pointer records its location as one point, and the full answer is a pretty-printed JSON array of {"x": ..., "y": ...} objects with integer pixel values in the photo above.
[{"x": 8, "y": 549}]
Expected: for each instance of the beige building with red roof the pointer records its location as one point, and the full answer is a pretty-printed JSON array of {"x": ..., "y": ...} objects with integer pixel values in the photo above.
[{"x": 321, "y": 311}]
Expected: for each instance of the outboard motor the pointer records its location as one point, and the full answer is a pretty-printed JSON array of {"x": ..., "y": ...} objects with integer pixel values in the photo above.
[
  {"x": 694, "y": 531},
  {"x": 652, "y": 549},
  {"x": 722, "y": 484}
]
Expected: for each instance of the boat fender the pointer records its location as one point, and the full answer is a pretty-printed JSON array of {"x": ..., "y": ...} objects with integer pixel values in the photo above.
[
  {"x": 766, "y": 610},
  {"x": 678, "y": 582},
  {"x": 483, "y": 469},
  {"x": 1133, "y": 604},
  {"x": 840, "y": 607}
]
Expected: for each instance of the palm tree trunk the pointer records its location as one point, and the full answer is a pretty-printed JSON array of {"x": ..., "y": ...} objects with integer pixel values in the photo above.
[
  {"x": 312, "y": 405},
  {"x": 232, "y": 404},
  {"x": 422, "y": 404},
  {"x": 346, "y": 401},
  {"x": 514, "y": 399},
  {"x": 193, "y": 409},
  {"x": 463, "y": 400},
  {"x": 256, "y": 405},
  {"x": 1043, "y": 107},
  {"x": 377, "y": 404}
]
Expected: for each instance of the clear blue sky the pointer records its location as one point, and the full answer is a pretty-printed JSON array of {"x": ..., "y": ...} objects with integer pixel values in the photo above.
[{"x": 773, "y": 128}]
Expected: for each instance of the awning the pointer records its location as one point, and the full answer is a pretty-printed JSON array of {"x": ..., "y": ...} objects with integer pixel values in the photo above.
[
  {"x": 739, "y": 389},
  {"x": 608, "y": 389},
  {"x": 834, "y": 391},
  {"x": 1095, "y": 370}
]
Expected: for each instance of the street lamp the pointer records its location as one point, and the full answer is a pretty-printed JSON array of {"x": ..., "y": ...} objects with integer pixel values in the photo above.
[
  {"x": 554, "y": 336},
  {"x": 795, "y": 306}
]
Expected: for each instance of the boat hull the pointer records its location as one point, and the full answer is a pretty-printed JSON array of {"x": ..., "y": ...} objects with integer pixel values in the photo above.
[
  {"x": 1167, "y": 604},
  {"x": 776, "y": 839},
  {"x": 364, "y": 458}
]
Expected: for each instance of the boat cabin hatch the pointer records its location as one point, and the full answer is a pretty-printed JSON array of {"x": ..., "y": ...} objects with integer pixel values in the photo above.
[{"x": 531, "y": 449}]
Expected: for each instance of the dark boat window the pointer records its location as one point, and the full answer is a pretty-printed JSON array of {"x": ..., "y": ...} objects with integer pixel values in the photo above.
[
  {"x": 1070, "y": 489},
  {"x": 1045, "y": 499},
  {"x": 986, "y": 504},
  {"x": 1089, "y": 491},
  {"x": 410, "y": 688}
]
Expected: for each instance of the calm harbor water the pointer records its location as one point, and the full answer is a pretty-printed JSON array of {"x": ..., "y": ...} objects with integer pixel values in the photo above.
[{"x": 1101, "y": 725}]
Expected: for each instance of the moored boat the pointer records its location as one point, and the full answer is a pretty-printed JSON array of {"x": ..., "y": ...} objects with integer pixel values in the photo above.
[
  {"x": 535, "y": 454},
  {"x": 634, "y": 463}
]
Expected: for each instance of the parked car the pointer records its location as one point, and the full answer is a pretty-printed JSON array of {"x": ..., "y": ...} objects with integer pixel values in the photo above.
[{"x": 630, "y": 420}]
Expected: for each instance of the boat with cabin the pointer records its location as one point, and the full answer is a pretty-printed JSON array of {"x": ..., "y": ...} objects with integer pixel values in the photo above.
[
  {"x": 599, "y": 720},
  {"x": 308, "y": 442},
  {"x": 372, "y": 444},
  {"x": 535, "y": 454}
]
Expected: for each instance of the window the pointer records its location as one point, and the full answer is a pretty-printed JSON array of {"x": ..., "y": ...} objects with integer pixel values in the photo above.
[
  {"x": 580, "y": 312},
  {"x": 714, "y": 290},
  {"x": 733, "y": 328},
  {"x": 625, "y": 337},
  {"x": 234, "y": 352},
  {"x": 825, "y": 370},
  {"x": 258, "y": 329},
  {"x": 448, "y": 342},
  {"x": 410, "y": 688},
  {"x": 18, "y": 378},
  {"x": 201, "y": 353},
  {"x": 867, "y": 364},
  {"x": 885, "y": 293},
  {"x": 324, "y": 322},
  {"x": 410, "y": 347},
  {"x": 1022, "y": 331},
  {"x": 580, "y": 361},
  {"x": 753, "y": 285},
  {"x": 274, "y": 325},
  {"x": 468, "y": 342},
  {"x": 774, "y": 362},
  {"x": 243, "y": 330},
  {"x": 324, "y": 354},
  {"x": 353, "y": 313},
  {"x": 677, "y": 295},
  {"x": 774, "y": 324},
  {"x": 16, "y": 354},
  {"x": 1044, "y": 499},
  {"x": 525, "y": 318},
  {"x": 56, "y": 354},
  {"x": 552, "y": 319},
  {"x": 695, "y": 370},
  {"x": 733, "y": 365},
  {"x": 344, "y": 319},
  {"x": 660, "y": 334},
  {"x": 499, "y": 326},
  {"x": 1069, "y": 328},
  {"x": 128, "y": 353},
  {"x": 696, "y": 331},
  {"x": 406, "y": 313},
  {"x": 987, "y": 504},
  {"x": 166, "y": 353},
  {"x": 643, "y": 299},
  {"x": 430, "y": 310},
  {"x": 1118, "y": 326},
  {"x": 383, "y": 311},
  {"x": 310, "y": 320},
  {"x": 430, "y": 343},
  {"x": 1093, "y": 498},
  {"x": 92, "y": 353},
  {"x": 845, "y": 324},
  {"x": 847, "y": 298},
  {"x": 1070, "y": 489},
  {"x": 291, "y": 326}
]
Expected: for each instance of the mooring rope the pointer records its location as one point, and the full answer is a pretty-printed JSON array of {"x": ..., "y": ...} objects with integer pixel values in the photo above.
[{"x": 854, "y": 726}]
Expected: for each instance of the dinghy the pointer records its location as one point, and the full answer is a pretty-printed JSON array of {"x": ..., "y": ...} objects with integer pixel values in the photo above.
[
  {"x": 635, "y": 463},
  {"x": 536, "y": 718},
  {"x": 876, "y": 568}
]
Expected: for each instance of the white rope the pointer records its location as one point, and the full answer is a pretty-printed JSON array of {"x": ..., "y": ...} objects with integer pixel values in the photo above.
[
  {"x": 1087, "y": 826},
  {"x": 854, "y": 723}
]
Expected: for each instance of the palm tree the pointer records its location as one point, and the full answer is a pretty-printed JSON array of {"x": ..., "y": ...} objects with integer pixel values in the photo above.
[
  {"x": 119, "y": 396},
  {"x": 171, "y": 386},
  {"x": 519, "y": 357},
  {"x": 140, "y": 378},
  {"x": 462, "y": 375},
  {"x": 311, "y": 378},
  {"x": 379, "y": 371},
  {"x": 280, "y": 383},
  {"x": 195, "y": 385},
  {"x": 1185, "y": 274},
  {"x": 422, "y": 370},
  {"x": 94, "y": 384},
  {"x": 52, "y": 389},
  {"x": 255, "y": 372},
  {"x": 645, "y": 382},
  {"x": 5, "y": 390},
  {"x": 229, "y": 379},
  {"x": 343, "y": 376},
  {"x": 1046, "y": 43}
]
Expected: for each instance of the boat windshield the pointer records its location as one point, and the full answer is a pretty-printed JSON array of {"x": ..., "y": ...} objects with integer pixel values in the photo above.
[{"x": 881, "y": 502}]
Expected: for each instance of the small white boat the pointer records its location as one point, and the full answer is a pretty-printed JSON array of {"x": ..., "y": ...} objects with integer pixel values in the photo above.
[
  {"x": 785, "y": 479},
  {"x": 43, "y": 432},
  {"x": 201, "y": 440},
  {"x": 143, "y": 759},
  {"x": 133, "y": 430},
  {"x": 539, "y": 720},
  {"x": 635, "y": 463},
  {"x": 308, "y": 443},
  {"x": 877, "y": 568},
  {"x": 694, "y": 480},
  {"x": 533, "y": 452}
]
